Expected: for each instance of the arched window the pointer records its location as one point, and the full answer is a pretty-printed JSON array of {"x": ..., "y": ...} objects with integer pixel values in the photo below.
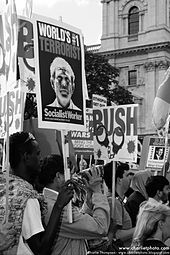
[{"x": 133, "y": 21}]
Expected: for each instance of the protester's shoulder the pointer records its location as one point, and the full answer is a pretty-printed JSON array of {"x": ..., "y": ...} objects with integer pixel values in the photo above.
[
  {"x": 135, "y": 197},
  {"x": 32, "y": 207},
  {"x": 33, "y": 201}
]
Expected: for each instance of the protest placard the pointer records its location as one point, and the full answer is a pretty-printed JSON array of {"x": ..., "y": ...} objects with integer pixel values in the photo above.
[
  {"x": 83, "y": 140},
  {"x": 60, "y": 75},
  {"x": 157, "y": 153},
  {"x": 99, "y": 101},
  {"x": 25, "y": 53},
  {"x": 115, "y": 133},
  {"x": 16, "y": 112},
  {"x": 9, "y": 43}
]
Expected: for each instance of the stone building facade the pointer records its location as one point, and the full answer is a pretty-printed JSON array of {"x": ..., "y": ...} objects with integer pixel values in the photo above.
[{"x": 136, "y": 39}]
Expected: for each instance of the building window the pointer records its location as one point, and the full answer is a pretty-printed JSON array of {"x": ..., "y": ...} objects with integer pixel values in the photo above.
[
  {"x": 133, "y": 21},
  {"x": 132, "y": 78}
]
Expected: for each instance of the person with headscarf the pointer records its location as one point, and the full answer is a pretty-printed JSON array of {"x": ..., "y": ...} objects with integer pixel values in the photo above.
[{"x": 139, "y": 195}]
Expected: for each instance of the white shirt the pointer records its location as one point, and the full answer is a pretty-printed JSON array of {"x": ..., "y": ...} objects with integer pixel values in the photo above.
[
  {"x": 31, "y": 225},
  {"x": 71, "y": 105}
]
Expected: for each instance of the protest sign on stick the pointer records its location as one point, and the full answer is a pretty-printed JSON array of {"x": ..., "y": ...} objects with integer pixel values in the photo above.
[
  {"x": 115, "y": 133},
  {"x": 60, "y": 76},
  {"x": 115, "y": 136},
  {"x": 157, "y": 152},
  {"x": 61, "y": 80}
]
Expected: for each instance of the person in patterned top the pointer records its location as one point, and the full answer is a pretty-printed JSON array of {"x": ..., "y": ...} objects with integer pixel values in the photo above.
[{"x": 26, "y": 207}]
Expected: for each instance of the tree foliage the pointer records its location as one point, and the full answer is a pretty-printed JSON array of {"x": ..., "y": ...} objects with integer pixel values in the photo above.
[{"x": 102, "y": 79}]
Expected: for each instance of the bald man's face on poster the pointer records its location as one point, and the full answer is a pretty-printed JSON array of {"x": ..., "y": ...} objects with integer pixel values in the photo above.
[
  {"x": 63, "y": 84},
  {"x": 62, "y": 80}
]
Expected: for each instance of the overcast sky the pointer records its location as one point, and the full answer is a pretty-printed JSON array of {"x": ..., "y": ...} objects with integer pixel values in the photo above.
[{"x": 83, "y": 14}]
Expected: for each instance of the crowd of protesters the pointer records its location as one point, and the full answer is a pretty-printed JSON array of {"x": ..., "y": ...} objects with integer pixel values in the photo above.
[{"x": 37, "y": 220}]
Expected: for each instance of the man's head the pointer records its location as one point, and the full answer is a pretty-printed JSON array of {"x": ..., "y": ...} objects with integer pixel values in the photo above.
[
  {"x": 52, "y": 172},
  {"x": 121, "y": 176},
  {"x": 62, "y": 80},
  {"x": 160, "y": 151},
  {"x": 24, "y": 154},
  {"x": 157, "y": 187}
]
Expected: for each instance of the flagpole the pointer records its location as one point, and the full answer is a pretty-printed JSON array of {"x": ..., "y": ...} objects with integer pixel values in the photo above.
[
  {"x": 65, "y": 150},
  {"x": 81, "y": 163},
  {"x": 166, "y": 143},
  {"x": 7, "y": 159},
  {"x": 113, "y": 187},
  {"x": 90, "y": 163}
]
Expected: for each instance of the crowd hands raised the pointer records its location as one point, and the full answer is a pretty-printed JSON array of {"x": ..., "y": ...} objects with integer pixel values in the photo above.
[{"x": 38, "y": 216}]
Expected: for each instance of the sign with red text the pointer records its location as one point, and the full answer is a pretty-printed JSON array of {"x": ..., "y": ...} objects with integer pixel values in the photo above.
[
  {"x": 60, "y": 76},
  {"x": 115, "y": 133},
  {"x": 83, "y": 140}
]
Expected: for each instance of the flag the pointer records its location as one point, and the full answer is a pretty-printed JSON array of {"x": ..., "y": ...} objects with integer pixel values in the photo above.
[
  {"x": 10, "y": 30},
  {"x": 27, "y": 11},
  {"x": 161, "y": 105}
]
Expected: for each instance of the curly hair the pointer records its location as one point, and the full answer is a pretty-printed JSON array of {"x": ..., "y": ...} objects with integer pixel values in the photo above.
[
  {"x": 155, "y": 183},
  {"x": 19, "y": 143},
  {"x": 50, "y": 166}
]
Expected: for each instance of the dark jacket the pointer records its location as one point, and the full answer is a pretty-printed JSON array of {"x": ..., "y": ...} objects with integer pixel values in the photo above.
[{"x": 132, "y": 205}]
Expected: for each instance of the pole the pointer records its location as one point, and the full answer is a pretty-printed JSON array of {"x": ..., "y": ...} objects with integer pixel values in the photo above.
[
  {"x": 7, "y": 160},
  {"x": 113, "y": 187},
  {"x": 65, "y": 149}
]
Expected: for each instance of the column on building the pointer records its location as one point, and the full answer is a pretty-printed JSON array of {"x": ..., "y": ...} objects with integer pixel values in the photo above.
[
  {"x": 150, "y": 88},
  {"x": 105, "y": 18},
  {"x": 116, "y": 22},
  {"x": 162, "y": 12},
  {"x": 152, "y": 15}
]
